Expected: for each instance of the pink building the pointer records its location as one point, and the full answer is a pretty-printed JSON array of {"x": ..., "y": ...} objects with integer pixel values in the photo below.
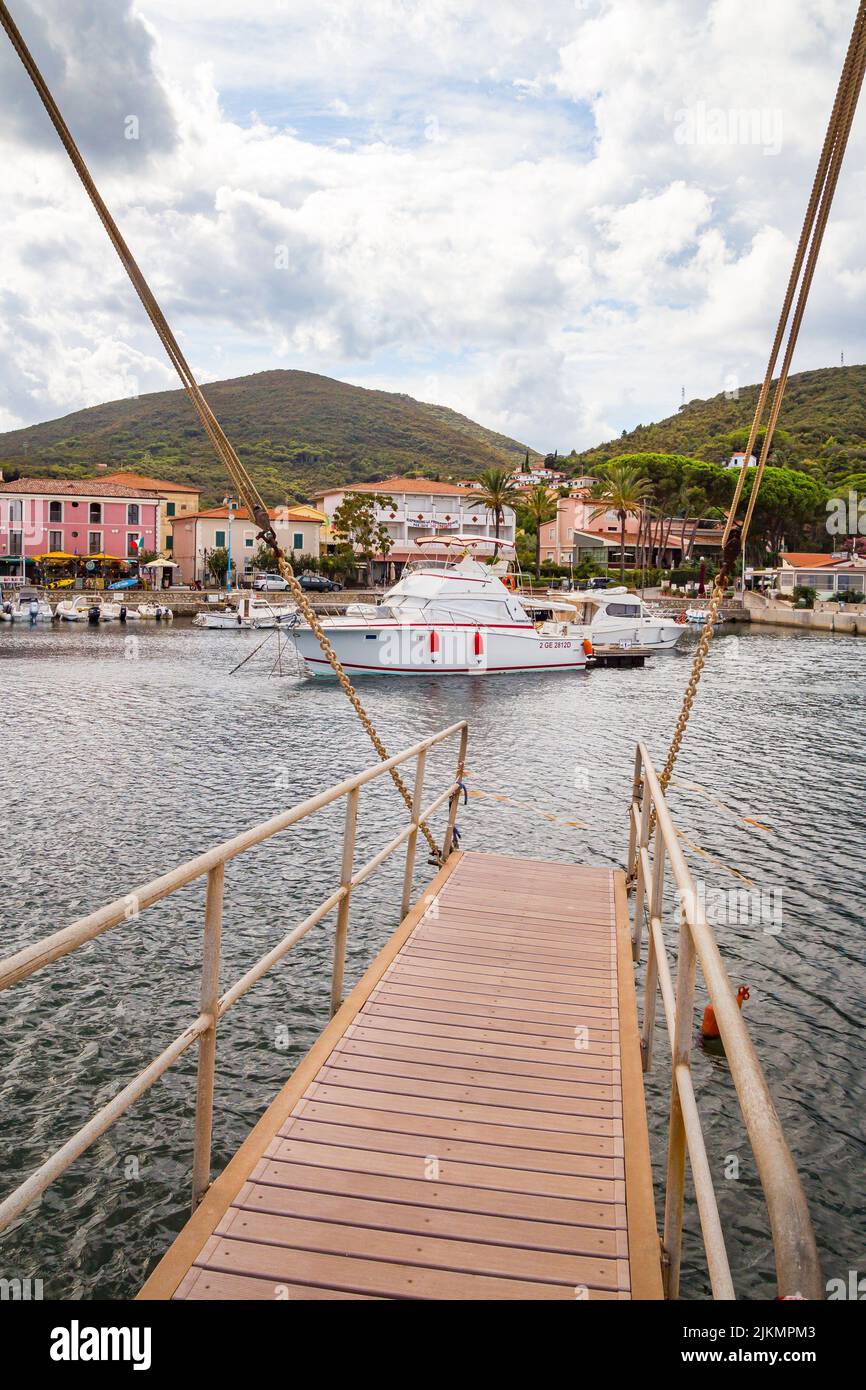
[
  {"x": 80, "y": 517},
  {"x": 574, "y": 516}
]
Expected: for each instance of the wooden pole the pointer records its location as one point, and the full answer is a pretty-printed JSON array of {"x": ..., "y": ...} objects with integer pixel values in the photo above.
[{"x": 420, "y": 764}]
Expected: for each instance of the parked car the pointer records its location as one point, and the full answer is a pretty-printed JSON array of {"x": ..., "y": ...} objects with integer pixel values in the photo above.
[
  {"x": 271, "y": 582},
  {"x": 319, "y": 583}
]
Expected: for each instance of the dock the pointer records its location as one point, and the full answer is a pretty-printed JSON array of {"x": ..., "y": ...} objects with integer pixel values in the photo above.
[
  {"x": 471, "y": 1125},
  {"x": 608, "y": 655}
]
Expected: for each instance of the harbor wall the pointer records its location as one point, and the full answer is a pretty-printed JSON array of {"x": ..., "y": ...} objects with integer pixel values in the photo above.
[{"x": 824, "y": 617}]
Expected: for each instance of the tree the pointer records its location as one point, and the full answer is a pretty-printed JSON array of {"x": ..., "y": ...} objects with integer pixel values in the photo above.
[
  {"x": 624, "y": 490},
  {"x": 539, "y": 506},
  {"x": 497, "y": 488},
  {"x": 356, "y": 522},
  {"x": 218, "y": 563},
  {"x": 265, "y": 559},
  {"x": 524, "y": 467}
]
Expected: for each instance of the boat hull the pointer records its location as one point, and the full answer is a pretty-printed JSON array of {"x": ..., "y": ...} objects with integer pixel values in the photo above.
[{"x": 439, "y": 650}]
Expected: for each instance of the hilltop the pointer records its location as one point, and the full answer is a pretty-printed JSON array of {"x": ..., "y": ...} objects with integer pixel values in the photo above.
[
  {"x": 822, "y": 428},
  {"x": 294, "y": 430}
]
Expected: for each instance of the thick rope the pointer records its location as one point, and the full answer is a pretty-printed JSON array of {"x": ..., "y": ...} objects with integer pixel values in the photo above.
[
  {"x": 241, "y": 479},
  {"x": 811, "y": 237}
]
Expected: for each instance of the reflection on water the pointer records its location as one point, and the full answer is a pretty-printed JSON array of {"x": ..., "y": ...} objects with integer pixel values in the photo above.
[{"x": 121, "y": 759}]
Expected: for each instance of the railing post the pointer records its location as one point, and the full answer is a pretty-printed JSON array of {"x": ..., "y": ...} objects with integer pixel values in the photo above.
[
  {"x": 458, "y": 777},
  {"x": 675, "y": 1182},
  {"x": 420, "y": 764},
  {"x": 630, "y": 867},
  {"x": 640, "y": 884},
  {"x": 209, "y": 1001},
  {"x": 652, "y": 969},
  {"x": 343, "y": 910}
]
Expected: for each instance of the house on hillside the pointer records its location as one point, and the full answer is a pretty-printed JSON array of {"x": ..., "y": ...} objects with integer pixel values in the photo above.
[
  {"x": 839, "y": 576},
  {"x": 421, "y": 508}
]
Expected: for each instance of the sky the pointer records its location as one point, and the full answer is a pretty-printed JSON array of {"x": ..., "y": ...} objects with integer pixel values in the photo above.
[{"x": 553, "y": 217}]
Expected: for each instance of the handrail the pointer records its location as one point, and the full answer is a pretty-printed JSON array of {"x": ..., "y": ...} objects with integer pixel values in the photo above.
[
  {"x": 212, "y": 1005},
  {"x": 797, "y": 1266}
]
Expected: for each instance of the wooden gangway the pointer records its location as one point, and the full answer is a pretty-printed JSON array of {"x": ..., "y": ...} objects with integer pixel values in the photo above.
[
  {"x": 470, "y": 1126},
  {"x": 471, "y": 1122}
]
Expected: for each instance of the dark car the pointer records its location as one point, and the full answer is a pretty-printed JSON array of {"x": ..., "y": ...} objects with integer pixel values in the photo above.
[{"x": 319, "y": 583}]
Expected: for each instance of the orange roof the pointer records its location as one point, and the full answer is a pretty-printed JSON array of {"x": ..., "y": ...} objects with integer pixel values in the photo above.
[
  {"x": 141, "y": 480},
  {"x": 75, "y": 487},
  {"x": 300, "y": 513},
  {"x": 803, "y": 559},
  {"x": 416, "y": 485}
]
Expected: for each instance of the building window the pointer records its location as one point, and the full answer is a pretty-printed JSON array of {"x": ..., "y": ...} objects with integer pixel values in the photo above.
[
  {"x": 95, "y": 513},
  {"x": 55, "y": 511},
  {"x": 169, "y": 542},
  {"x": 219, "y": 539},
  {"x": 94, "y": 542},
  {"x": 134, "y": 545},
  {"x": 55, "y": 540},
  {"x": 249, "y": 542},
  {"x": 169, "y": 509},
  {"x": 298, "y": 540},
  {"x": 16, "y": 542},
  {"x": 132, "y": 517}
]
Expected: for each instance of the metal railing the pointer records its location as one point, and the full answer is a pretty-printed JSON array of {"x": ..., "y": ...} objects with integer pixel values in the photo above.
[
  {"x": 212, "y": 1004},
  {"x": 798, "y": 1270}
]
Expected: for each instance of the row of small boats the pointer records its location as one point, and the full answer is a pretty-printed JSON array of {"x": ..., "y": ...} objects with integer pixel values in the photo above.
[{"x": 31, "y": 607}]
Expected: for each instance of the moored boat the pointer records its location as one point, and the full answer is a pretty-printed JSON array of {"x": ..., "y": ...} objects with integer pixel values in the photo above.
[
  {"x": 615, "y": 617},
  {"x": 446, "y": 618}
]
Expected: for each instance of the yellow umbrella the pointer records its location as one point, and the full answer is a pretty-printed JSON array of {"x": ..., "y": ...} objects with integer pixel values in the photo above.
[
  {"x": 54, "y": 555},
  {"x": 115, "y": 560}
]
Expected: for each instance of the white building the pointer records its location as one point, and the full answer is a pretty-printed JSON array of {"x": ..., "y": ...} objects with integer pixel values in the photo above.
[{"x": 422, "y": 508}]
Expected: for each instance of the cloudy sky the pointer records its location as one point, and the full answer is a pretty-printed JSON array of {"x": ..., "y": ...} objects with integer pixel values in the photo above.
[{"x": 551, "y": 216}]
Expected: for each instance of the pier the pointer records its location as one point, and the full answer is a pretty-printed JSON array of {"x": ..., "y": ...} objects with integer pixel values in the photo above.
[{"x": 471, "y": 1122}]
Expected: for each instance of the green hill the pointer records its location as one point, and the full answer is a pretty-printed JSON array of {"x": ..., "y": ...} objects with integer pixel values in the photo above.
[
  {"x": 822, "y": 428},
  {"x": 295, "y": 431}
]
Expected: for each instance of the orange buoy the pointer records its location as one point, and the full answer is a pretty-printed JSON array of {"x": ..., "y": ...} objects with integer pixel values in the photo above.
[
  {"x": 479, "y": 643},
  {"x": 587, "y": 647},
  {"x": 709, "y": 1026}
]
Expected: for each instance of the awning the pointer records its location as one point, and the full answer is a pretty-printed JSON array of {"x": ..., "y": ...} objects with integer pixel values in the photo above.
[{"x": 161, "y": 565}]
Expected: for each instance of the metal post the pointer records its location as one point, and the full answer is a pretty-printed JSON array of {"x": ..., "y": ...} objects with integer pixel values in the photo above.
[
  {"x": 652, "y": 972},
  {"x": 209, "y": 1000},
  {"x": 458, "y": 777},
  {"x": 420, "y": 764},
  {"x": 343, "y": 910},
  {"x": 675, "y": 1182}
]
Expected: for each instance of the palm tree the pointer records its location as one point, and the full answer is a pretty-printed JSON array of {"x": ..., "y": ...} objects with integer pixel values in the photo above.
[
  {"x": 624, "y": 490},
  {"x": 496, "y": 489},
  {"x": 541, "y": 507}
]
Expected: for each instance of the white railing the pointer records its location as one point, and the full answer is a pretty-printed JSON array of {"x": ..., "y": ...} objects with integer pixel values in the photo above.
[
  {"x": 213, "y": 1005},
  {"x": 653, "y": 844}
]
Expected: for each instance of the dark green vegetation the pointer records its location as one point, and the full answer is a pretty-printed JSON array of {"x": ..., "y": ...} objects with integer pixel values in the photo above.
[
  {"x": 295, "y": 431},
  {"x": 822, "y": 429}
]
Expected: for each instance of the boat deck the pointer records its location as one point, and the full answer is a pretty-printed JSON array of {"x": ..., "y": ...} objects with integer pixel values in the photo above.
[{"x": 470, "y": 1125}]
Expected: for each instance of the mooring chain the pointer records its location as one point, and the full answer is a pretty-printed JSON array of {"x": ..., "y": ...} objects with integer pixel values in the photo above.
[{"x": 222, "y": 446}]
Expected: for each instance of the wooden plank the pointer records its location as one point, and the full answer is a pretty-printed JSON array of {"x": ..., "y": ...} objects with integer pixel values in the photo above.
[
  {"x": 346, "y": 1072},
  {"x": 284, "y": 1177}
]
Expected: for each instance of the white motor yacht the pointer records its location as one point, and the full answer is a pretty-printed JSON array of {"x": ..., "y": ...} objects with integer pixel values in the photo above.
[
  {"x": 251, "y": 610},
  {"x": 614, "y": 617},
  {"x": 81, "y": 608},
  {"x": 453, "y": 617}
]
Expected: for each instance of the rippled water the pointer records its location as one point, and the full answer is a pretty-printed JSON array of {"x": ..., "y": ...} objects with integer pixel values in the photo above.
[{"x": 118, "y": 763}]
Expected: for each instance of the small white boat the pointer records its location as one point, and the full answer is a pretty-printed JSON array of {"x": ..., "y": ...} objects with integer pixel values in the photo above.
[
  {"x": 616, "y": 617},
  {"x": 698, "y": 617},
  {"x": 82, "y": 608},
  {"x": 159, "y": 611},
  {"x": 252, "y": 610},
  {"x": 115, "y": 610},
  {"x": 447, "y": 618}
]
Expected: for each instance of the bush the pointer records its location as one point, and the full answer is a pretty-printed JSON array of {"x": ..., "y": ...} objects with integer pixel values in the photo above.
[{"x": 804, "y": 596}]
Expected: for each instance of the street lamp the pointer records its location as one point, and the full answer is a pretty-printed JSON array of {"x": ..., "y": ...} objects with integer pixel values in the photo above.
[{"x": 227, "y": 502}]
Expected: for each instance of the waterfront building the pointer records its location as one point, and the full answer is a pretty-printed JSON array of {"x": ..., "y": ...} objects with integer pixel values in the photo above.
[
  {"x": 175, "y": 499},
  {"x": 78, "y": 517},
  {"x": 298, "y": 531},
  {"x": 839, "y": 576},
  {"x": 421, "y": 508}
]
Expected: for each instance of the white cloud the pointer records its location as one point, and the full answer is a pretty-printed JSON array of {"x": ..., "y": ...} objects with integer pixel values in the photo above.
[{"x": 549, "y": 217}]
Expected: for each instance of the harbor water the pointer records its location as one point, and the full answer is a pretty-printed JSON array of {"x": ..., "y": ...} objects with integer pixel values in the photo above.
[{"x": 125, "y": 753}]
